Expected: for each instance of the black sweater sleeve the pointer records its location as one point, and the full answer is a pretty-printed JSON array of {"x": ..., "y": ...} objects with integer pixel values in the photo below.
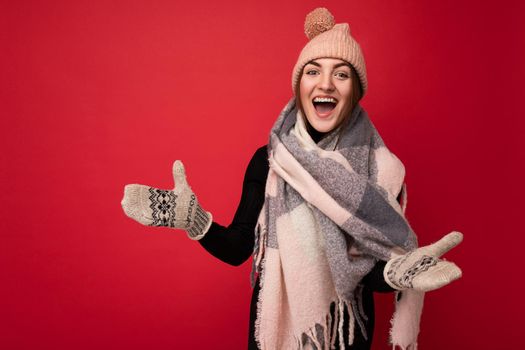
[
  {"x": 234, "y": 244},
  {"x": 375, "y": 280}
]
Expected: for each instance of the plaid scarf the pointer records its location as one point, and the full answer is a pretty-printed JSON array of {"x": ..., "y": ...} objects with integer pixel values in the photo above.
[{"x": 330, "y": 213}]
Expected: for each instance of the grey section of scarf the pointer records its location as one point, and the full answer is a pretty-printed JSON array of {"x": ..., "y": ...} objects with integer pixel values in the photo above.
[{"x": 375, "y": 228}]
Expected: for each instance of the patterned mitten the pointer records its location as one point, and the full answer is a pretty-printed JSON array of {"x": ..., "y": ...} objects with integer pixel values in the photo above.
[
  {"x": 176, "y": 209},
  {"x": 421, "y": 269}
]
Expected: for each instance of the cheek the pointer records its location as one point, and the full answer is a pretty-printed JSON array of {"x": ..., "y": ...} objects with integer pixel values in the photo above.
[
  {"x": 303, "y": 94},
  {"x": 305, "y": 88},
  {"x": 345, "y": 89},
  {"x": 346, "y": 94}
]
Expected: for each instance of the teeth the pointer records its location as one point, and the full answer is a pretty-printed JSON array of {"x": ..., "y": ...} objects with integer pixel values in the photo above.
[{"x": 325, "y": 99}]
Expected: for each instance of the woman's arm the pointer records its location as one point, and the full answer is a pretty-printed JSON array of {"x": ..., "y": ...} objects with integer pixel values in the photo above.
[{"x": 234, "y": 244}]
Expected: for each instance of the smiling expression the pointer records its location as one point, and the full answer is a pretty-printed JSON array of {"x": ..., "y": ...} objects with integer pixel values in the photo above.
[{"x": 325, "y": 92}]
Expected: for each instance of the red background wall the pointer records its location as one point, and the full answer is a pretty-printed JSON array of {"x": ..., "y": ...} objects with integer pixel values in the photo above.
[{"x": 98, "y": 94}]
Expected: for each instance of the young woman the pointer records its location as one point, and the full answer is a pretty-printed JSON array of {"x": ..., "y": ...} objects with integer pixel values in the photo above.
[{"x": 322, "y": 212}]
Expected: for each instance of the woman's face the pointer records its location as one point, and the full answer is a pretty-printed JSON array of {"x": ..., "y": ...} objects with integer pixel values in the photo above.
[{"x": 325, "y": 90}]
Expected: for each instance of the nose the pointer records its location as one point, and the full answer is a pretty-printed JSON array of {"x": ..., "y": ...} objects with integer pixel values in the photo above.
[{"x": 326, "y": 83}]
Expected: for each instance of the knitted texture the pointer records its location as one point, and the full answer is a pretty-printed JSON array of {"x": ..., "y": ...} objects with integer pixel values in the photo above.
[
  {"x": 422, "y": 269},
  {"x": 329, "y": 41},
  {"x": 318, "y": 21},
  {"x": 322, "y": 202},
  {"x": 178, "y": 208}
]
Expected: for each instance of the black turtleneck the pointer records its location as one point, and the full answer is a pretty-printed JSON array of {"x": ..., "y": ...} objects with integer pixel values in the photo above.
[{"x": 316, "y": 135}]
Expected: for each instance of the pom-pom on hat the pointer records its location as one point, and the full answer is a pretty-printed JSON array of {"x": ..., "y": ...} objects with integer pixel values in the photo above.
[{"x": 329, "y": 40}]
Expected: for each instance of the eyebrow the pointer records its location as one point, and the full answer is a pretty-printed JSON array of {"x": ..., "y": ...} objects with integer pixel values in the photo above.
[{"x": 336, "y": 66}]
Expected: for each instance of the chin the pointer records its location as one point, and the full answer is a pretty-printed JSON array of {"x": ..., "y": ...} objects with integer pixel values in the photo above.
[{"x": 323, "y": 128}]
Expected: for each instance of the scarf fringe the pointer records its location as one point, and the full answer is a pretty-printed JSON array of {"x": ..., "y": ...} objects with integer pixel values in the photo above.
[
  {"x": 359, "y": 299},
  {"x": 406, "y": 319},
  {"x": 257, "y": 331},
  {"x": 323, "y": 336},
  {"x": 320, "y": 336},
  {"x": 259, "y": 258},
  {"x": 336, "y": 327}
]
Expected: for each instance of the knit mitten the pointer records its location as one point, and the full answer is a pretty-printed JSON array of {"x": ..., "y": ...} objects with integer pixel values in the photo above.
[
  {"x": 421, "y": 269},
  {"x": 176, "y": 209}
]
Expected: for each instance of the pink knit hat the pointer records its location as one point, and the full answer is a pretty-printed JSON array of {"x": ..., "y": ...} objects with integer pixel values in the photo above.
[{"x": 329, "y": 40}]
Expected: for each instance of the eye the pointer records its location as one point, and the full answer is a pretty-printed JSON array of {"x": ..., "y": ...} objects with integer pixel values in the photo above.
[
  {"x": 311, "y": 72},
  {"x": 342, "y": 75}
]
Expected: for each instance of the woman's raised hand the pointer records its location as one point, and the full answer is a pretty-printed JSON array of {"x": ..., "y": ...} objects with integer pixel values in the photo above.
[
  {"x": 422, "y": 269},
  {"x": 177, "y": 208}
]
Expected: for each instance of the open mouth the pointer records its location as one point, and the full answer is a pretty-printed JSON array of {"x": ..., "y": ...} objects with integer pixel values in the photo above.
[{"x": 324, "y": 105}]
